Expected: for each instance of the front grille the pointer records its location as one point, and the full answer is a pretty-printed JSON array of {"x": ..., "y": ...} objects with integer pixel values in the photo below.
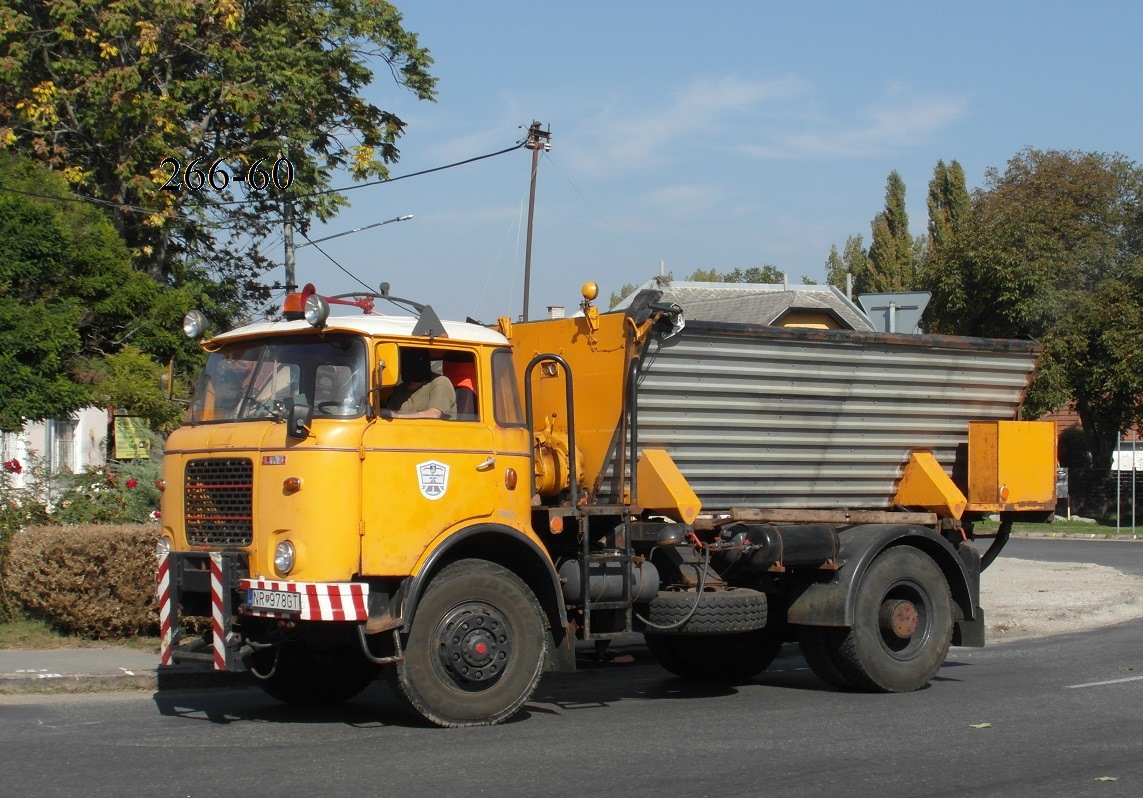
[{"x": 218, "y": 500}]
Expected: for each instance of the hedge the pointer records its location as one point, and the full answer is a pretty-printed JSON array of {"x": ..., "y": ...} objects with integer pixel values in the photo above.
[{"x": 92, "y": 580}]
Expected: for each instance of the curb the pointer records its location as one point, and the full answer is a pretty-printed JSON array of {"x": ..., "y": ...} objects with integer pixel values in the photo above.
[{"x": 175, "y": 678}]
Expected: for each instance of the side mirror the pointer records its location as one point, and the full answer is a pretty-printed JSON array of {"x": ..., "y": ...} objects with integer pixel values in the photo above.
[
  {"x": 298, "y": 421},
  {"x": 388, "y": 366}
]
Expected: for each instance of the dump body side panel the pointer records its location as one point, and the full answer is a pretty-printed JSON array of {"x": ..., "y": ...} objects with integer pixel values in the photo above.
[{"x": 770, "y": 417}]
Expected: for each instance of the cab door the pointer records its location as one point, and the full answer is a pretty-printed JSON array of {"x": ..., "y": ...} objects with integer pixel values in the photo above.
[{"x": 421, "y": 478}]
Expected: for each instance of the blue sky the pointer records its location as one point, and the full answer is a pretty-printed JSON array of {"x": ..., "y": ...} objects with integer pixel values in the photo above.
[{"x": 715, "y": 135}]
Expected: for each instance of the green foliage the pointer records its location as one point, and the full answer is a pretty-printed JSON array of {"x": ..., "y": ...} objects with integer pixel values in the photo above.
[
  {"x": 1053, "y": 248},
  {"x": 104, "y": 92},
  {"x": 754, "y": 274},
  {"x": 948, "y": 204},
  {"x": 78, "y": 325},
  {"x": 892, "y": 264},
  {"x": 853, "y": 260},
  {"x": 1072, "y": 450}
]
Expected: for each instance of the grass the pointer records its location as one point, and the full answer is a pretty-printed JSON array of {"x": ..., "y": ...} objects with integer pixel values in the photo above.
[
  {"x": 1101, "y": 528},
  {"x": 26, "y": 633}
]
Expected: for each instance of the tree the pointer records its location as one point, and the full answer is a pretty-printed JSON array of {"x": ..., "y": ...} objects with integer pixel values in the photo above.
[
  {"x": 892, "y": 264},
  {"x": 1051, "y": 248},
  {"x": 948, "y": 203},
  {"x": 70, "y": 303},
  {"x": 853, "y": 260},
  {"x": 765, "y": 273},
  {"x": 105, "y": 93}
]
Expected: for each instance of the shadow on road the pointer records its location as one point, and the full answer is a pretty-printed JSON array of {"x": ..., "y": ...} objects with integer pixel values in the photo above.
[{"x": 631, "y": 675}]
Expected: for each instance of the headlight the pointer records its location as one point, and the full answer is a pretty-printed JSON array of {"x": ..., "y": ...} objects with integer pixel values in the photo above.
[
  {"x": 194, "y": 324},
  {"x": 316, "y": 310},
  {"x": 284, "y": 558},
  {"x": 163, "y": 547}
]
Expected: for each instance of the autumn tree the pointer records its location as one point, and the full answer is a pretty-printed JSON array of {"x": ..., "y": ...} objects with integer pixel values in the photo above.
[
  {"x": 1052, "y": 248},
  {"x": 104, "y": 93}
]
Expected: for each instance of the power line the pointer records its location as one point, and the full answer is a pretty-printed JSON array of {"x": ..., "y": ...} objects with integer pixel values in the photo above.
[
  {"x": 207, "y": 204},
  {"x": 334, "y": 262}
]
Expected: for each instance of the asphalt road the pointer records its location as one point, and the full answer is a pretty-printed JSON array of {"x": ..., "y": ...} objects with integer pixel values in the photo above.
[
  {"x": 1063, "y": 714},
  {"x": 1125, "y": 555}
]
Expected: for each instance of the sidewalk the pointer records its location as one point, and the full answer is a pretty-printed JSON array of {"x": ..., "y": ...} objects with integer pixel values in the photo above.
[
  {"x": 77, "y": 670},
  {"x": 88, "y": 670}
]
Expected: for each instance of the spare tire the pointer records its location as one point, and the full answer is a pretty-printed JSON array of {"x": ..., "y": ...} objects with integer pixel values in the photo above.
[{"x": 719, "y": 612}]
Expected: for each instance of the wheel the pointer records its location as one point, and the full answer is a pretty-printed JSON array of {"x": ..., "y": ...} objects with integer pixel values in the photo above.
[
  {"x": 722, "y": 612},
  {"x": 322, "y": 668},
  {"x": 819, "y": 646},
  {"x": 729, "y": 658},
  {"x": 902, "y": 624},
  {"x": 476, "y": 649}
]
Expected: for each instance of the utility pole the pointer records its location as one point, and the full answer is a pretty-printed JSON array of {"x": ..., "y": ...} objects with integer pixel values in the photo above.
[
  {"x": 537, "y": 140},
  {"x": 288, "y": 237}
]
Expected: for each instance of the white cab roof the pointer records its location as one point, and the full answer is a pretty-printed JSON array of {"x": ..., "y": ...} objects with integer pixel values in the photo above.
[{"x": 374, "y": 324}]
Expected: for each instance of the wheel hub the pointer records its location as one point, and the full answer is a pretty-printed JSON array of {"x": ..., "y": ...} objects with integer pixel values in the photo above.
[
  {"x": 899, "y": 618},
  {"x": 475, "y": 644}
]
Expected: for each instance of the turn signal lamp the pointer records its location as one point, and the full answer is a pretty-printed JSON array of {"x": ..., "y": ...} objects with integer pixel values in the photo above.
[{"x": 292, "y": 484}]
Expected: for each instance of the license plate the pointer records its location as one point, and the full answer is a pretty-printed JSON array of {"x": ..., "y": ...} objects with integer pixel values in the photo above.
[{"x": 274, "y": 600}]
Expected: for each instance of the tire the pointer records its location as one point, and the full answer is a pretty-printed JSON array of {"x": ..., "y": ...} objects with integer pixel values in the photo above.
[
  {"x": 322, "y": 668},
  {"x": 902, "y": 624},
  {"x": 476, "y": 649},
  {"x": 723, "y": 612},
  {"x": 730, "y": 658},
  {"x": 819, "y": 646}
]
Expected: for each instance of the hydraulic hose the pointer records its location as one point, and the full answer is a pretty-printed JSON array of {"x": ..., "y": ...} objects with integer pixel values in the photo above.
[{"x": 998, "y": 542}]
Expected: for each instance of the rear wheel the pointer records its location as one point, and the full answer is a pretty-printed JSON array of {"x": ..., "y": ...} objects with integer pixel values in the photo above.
[
  {"x": 902, "y": 624},
  {"x": 324, "y": 667},
  {"x": 722, "y": 658},
  {"x": 819, "y": 646},
  {"x": 476, "y": 649}
]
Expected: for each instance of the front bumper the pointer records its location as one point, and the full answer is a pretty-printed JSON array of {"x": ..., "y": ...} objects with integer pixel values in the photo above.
[{"x": 218, "y": 584}]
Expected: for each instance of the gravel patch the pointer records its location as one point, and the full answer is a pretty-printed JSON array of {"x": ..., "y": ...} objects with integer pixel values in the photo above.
[{"x": 1028, "y": 598}]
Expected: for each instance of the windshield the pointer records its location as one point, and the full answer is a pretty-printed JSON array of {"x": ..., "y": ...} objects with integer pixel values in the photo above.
[{"x": 263, "y": 379}]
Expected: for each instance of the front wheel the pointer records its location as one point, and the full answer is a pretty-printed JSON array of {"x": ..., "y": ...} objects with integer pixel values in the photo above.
[
  {"x": 476, "y": 649},
  {"x": 902, "y": 624}
]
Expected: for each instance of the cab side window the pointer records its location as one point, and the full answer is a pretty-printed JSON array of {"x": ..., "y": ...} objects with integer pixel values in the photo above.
[
  {"x": 505, "y": 398},
  {"x": 460, "y": 368}
]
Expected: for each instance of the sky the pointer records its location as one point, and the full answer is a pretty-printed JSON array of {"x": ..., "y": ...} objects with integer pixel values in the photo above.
[{"x": 715, "y": 135}]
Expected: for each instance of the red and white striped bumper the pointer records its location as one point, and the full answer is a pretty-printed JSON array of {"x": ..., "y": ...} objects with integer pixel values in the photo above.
[{"x": 321, "y": 601}]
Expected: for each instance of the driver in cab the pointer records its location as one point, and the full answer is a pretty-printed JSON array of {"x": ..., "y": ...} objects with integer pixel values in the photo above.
[{"x": 421, "y": 392}]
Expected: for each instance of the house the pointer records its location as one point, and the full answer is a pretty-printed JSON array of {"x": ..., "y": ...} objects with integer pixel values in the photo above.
[
  {"x": 820, "y": 307},
  {"x": 63, "y": 445}
]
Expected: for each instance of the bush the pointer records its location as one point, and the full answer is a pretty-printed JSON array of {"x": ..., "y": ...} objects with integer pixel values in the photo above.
[{"x": 95, "y": 581}]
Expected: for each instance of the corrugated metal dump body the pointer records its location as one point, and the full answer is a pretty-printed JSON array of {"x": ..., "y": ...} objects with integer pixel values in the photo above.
[{"x": 771, "y": 417}]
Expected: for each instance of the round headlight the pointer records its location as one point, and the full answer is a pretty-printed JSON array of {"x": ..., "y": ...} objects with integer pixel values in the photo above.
[
  {"x": 163, "y": 547},
  {"x": 194, "y": 324},
  {"x": 284, "y": 558},
  {"x": 316, "y": 310}
]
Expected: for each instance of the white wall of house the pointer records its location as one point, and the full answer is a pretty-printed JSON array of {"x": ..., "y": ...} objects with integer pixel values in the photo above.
[{"x": 68, "y": 444}]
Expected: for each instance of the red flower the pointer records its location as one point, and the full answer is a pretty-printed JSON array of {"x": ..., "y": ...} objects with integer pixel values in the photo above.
[
  {"x": 13, "y": 466},
  {"x": 131, "y": 483}
]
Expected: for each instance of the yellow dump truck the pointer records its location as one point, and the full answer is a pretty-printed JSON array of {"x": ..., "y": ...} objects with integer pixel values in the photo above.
[{"x": 720, "y": 488}]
